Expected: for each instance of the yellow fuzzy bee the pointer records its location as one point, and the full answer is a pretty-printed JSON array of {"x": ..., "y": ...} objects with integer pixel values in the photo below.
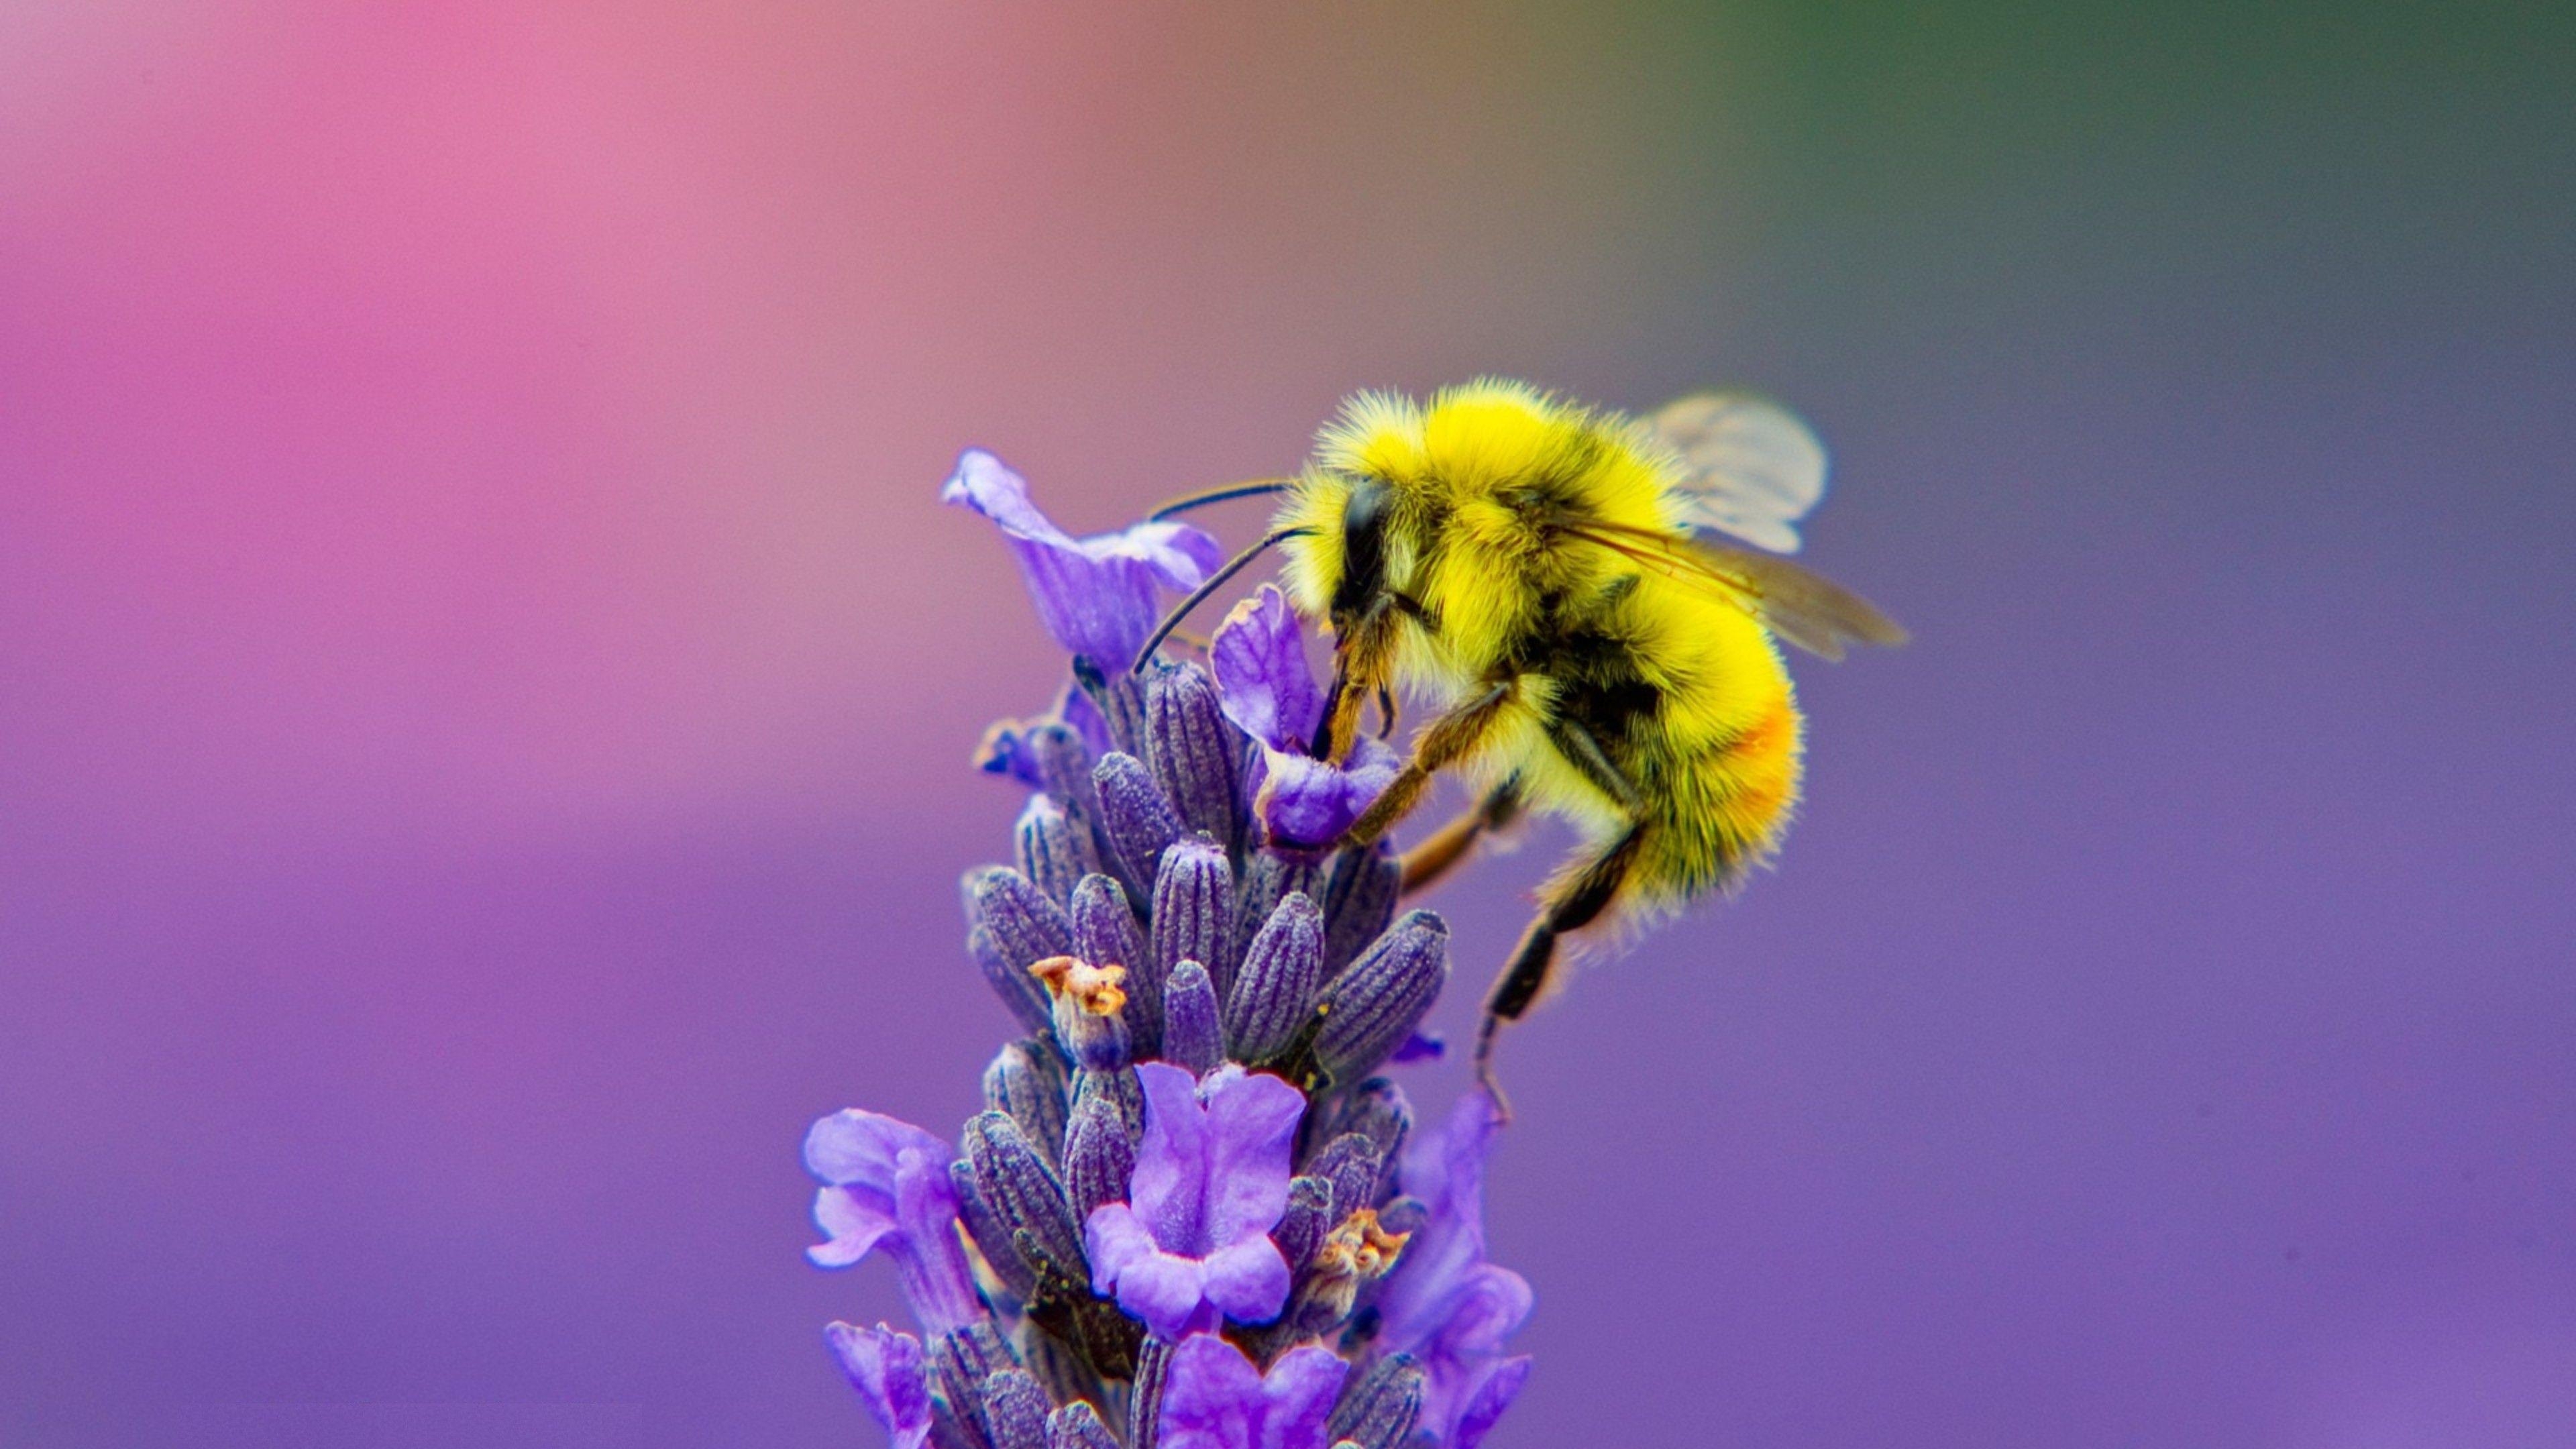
[{"x": 1557, "y": 581}]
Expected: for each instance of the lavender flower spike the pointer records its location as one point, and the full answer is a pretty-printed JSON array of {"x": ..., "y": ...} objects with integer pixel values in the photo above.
[
  {"x": 1211, "y": 1181},
  {"x": 1445, "y": 1304},
  {"x": 885, "y": 1367},
  {"x": 1136, "y": 1188},
  {"x": 1259, "y": 657},
  {"x": 1216, "y": 1399},
  {"x": 886, "y": 1186},
  {"x": 1095, "y": 595}
]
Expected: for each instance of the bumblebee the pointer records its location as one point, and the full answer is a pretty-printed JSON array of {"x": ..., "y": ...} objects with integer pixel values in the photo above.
[{"x": 1568, "y": 589}]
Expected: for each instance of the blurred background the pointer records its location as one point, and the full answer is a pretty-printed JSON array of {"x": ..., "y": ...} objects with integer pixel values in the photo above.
[{"x": 485, "y": 688}]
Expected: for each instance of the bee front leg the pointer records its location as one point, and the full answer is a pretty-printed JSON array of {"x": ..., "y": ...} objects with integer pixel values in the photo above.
[{"x": 1448, "y": 738}]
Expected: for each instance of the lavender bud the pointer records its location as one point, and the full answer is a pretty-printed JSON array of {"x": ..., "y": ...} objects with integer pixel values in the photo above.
[
  {"x": 1376, "y": 1110},
  {"x": 991, "y": 1235},
  {"x": 1014, "y": 926},
  {"x": 962, "y": 1360},
  {"x": 1077, "y": 1426},
  {"x": 1274, "y": 993},
  {"x": 1105, "y": 933},
  {"x": 1188, "y": 745},
  {"x": 1378, "y": 1411},
  {"x": 1023, "y": 1193},
  {"x": 1349, "y": 1162},
  {"x": 1302, "y": 1227},
  {"x": 1194, "y": 910},
  {"x": 1358, "y": 902},
  {"x": 950, "y": 1429},
  {"x": 1060, "y": 1369},
  {"x": 1007, "y": 981},
  {"x": 1098, "y": 1157},
  {"x": 1268, "y": 879},
  {"x": 1193, "y": 1036},
  {"x": 1063, "y": 765},
  {"x": 1135, "y": 815},
  {"x": 1403, "y": 1216},
  {"x": 1117, "y": 1088},
  {"x": 1116, "y": 694},
  {"x": 1055, "y": 849},
  {"x": 1145, "y": 1395},
  {"x": 1383, "y": 996},
  {"x": 1029, "y": 1085},
  {"x": 1015, "y": 1410}
]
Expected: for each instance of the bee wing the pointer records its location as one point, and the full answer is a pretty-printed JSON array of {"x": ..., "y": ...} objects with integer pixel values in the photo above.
[
  {"x": 1798, "y": 604},
  {"x": 1750, "y": 467}
]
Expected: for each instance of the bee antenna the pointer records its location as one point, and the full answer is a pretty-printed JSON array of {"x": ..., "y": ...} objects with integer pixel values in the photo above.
[
  {"x": 1253, "y": 489},
  {"x": 1215, "y": 582}
]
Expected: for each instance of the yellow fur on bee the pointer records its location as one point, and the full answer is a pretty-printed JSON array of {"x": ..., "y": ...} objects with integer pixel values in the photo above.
[{"x": 1481, "y": 480}]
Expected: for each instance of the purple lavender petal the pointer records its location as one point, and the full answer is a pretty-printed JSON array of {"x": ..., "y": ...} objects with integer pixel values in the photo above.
[
  {"x": 1307, "y": 803},
  {"x": 1116, "y": 1240},
  {"x": 1259, "y": 658},
  {"x": 1300, "y": 1389},
  {"x": 853, "y": 1225},
  {"x": 1420, "y": 1047},
  {"x": 1097, "y": 596},
  {"x": 1445, "y": 1171},
  {"x": 1248, "y": 1281},
  {"x": 1166, "y": 1291},
  {"x": 1170, "y": 1187},
  {"x": 1494, "y": 1392},
  {"x": 887, "y": 1187},
  {"x": 852, "y": 1147},
  {"x": 885, "y": 1367},
  {"x": 1252, "y": 1129},
  {"x": 1211, "y": 1397}
]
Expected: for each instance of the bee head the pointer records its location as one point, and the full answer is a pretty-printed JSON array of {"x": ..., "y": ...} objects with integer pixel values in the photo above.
[{"x": 1360, "y": 589}]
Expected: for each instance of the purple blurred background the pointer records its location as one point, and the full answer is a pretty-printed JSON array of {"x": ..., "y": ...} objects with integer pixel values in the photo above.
[{"x": 485, "y": 687}]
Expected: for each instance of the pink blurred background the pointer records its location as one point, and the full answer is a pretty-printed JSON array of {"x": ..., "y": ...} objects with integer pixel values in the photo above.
[{"x": 485, "y": 687}]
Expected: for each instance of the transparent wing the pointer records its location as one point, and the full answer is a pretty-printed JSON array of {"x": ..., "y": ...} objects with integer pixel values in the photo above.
[
  {"x": 1750, "y": 467},
  {"x": 1801, "y": 606}
]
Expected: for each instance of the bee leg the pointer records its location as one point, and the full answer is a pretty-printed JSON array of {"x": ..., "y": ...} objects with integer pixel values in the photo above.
[
  {"x": 1426, "y": 863},
  {"x": 1567, "y": 907},
  {"x": 1570, "y": 904},
  {"x": 1448, "y": 738}
]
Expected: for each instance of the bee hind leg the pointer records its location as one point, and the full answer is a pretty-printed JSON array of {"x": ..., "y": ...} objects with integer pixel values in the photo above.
[
  {"x": 1439, "y": 852},
  {"x": 1567, "y": 908}
]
